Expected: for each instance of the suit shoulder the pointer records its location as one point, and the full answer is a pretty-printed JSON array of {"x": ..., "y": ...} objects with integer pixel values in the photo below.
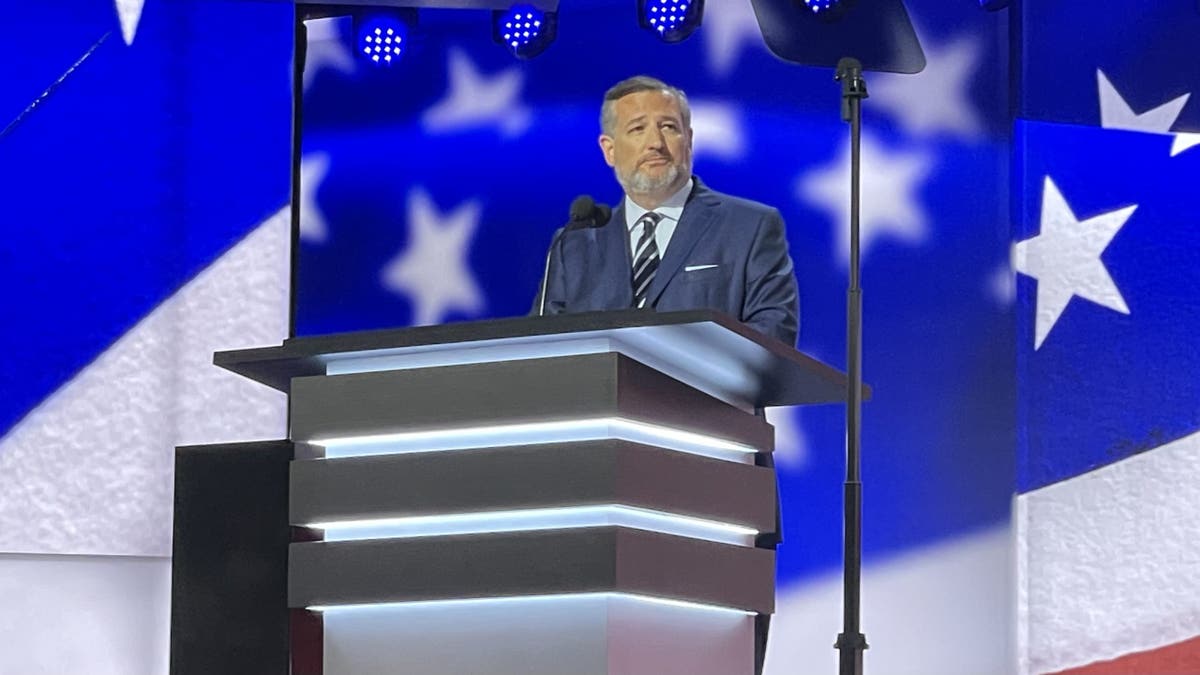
[{"x": 742, "y": 207}]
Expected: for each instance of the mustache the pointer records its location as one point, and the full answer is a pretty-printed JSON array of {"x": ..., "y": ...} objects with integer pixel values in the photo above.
[{"x": 656, "y": 156}]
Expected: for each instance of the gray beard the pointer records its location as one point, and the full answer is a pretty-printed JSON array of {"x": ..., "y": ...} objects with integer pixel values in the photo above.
[{"x": 640, "y": 183}]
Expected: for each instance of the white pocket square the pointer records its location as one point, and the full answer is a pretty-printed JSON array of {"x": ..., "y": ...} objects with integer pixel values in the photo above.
[{"x": 693, "y": 268}]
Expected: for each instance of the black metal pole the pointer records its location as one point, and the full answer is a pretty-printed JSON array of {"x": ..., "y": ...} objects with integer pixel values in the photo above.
[
  {"x": 300, "y": 53},
  {"x": 851, "y": 643}
]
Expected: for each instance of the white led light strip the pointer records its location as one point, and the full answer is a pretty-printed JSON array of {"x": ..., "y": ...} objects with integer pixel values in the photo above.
[
  {"x": 562, "y": 597},
  {"x": 598, "y": 428},
  {"x": 537, "y": 519},
  {"x": 511, "y": 349}
]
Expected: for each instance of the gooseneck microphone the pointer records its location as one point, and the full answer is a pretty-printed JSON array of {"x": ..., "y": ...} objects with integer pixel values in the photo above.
[
  {"x": 601, "y": 215},
  {"x": 587, "y": 212},
  {"x": 581, "y": 209},
  {"x": 584, "y": 213}
]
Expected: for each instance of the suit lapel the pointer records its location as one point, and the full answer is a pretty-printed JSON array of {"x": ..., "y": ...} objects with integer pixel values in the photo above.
[{"x": 698, "y": 215}]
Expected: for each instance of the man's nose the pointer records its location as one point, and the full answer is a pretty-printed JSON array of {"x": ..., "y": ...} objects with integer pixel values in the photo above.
[{"x": 656, "y": 139}]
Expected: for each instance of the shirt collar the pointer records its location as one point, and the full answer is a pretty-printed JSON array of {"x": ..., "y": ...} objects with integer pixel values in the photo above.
[{"x": 672, "y": 208}]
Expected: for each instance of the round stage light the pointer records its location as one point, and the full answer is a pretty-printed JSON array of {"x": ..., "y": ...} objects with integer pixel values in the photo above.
[
  {"x": 670, "y": 20},
  {"x": 524, "y": 30},
  {"x": 826, "y": 10},
  {"x": 818, "y": 6},
  {"x": 382, "y": 38}
]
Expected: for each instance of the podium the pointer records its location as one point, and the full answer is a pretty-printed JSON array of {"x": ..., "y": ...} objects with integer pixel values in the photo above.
[{"x": 567, "y": 495}]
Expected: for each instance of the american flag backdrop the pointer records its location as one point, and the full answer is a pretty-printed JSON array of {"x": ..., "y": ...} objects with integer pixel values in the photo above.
[
  {"x": 1032, "y": 294},
  {"x": 1108, "y": 355},
  {"x": 145, "y": 153}
]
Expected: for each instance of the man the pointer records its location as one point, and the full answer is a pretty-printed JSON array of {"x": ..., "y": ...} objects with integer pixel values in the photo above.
[{"x": 672, "y": 244}]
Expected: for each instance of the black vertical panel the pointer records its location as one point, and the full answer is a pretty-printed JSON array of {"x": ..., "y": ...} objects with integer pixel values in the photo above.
[{"x": 229, "y": 610}]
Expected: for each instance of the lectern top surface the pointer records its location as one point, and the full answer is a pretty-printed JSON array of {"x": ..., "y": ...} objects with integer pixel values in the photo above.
[{"x": 729, "y": 356}]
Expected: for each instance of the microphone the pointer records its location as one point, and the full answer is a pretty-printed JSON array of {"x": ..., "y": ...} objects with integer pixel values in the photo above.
[
  {"x": 584, "y": 213},
  {"x": 602, "y": 214},
  {"x": 582, "y": 208}
]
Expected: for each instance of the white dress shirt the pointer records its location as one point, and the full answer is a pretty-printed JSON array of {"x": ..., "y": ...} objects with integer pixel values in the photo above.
[{"x": 670, "y": 210}]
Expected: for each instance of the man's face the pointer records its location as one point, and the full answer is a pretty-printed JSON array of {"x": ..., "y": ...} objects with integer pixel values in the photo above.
[{"x": 649, "y": 148}]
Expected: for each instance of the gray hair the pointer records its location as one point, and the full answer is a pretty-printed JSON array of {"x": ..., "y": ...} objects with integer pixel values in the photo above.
[{"x": 632, "y": 85}]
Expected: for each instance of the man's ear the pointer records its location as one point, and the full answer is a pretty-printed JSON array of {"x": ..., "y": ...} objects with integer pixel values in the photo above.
[{"x": 606, "y": 146}]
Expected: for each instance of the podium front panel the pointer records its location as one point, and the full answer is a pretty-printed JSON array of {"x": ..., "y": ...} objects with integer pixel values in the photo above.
[
  {"x": 358, "y": 407},
  {"x": 412, "y": 487},
  {"x": 554, "y": 562},
  {"x": 565, "y": 635}
]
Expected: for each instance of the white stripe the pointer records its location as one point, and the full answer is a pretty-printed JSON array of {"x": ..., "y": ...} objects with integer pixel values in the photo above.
[
  {"x": 642, "y": 248},
  {"x": 642, "y": 269},
  {"x": 1109, "y": 561},
  {"x": 90, "y": 469},
  {"x": 959, "y": 590},
  {"x": 641, "y": 291},
  {"x": 640, "y": 261},
  {"x": 99, "y": 615}
]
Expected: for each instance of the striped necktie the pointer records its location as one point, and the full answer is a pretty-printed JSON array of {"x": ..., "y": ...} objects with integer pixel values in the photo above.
[{"x": 645, "y": 258}]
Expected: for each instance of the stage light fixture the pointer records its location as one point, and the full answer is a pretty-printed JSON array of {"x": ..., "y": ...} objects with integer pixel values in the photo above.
[
  {"x": 382, "y": 37},
  {"x": 826, "y": 10},
  {"x": 524, "y": 30},
  {"x": 671, "y": 20}
]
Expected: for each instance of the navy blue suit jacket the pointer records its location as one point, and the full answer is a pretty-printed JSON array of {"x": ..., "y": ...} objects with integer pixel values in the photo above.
[{"x": 737, "y": 249}]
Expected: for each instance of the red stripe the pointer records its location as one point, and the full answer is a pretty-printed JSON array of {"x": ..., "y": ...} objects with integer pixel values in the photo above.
[{"x": 1181, "y": 658}]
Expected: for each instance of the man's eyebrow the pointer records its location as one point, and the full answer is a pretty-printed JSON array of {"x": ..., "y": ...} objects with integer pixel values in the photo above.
[{"x": 639, "y": 118}]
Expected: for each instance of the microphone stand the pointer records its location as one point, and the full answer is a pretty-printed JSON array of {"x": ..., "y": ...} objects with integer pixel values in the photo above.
[
  {"x": 546, "y": 273},
  {"x": 584, "y": 214},
  {"x": 852, "y": 642}
]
